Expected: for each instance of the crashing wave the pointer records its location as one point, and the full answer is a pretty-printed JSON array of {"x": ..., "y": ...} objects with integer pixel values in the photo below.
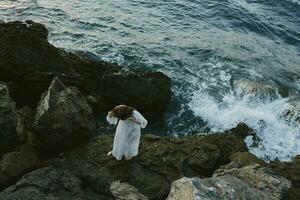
[{"x": 278, "y": 139}]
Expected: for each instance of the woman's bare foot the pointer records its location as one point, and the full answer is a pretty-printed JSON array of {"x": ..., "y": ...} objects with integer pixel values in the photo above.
[
  {"x": 128, "y": 158},
  {"x": 109, "y": 153}
]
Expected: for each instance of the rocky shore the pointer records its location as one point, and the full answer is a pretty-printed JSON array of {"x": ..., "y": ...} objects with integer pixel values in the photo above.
[{"x": 48, "y": 102}]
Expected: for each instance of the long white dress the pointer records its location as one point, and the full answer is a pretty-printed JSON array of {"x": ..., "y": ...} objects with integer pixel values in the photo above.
[{"x": 127, "y": 137}]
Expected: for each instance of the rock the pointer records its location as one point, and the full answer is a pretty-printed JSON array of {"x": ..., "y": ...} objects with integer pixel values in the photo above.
[
  {"x": 245, "y": 183},
  {"x": 291, "y": 171},
  {"x": 161, "y": 160},
  {"x": 16, "y": 163},
  {"x": 49, "y": 183},
  {"x": 216, "y": 188},
  {"x": 24, "y": 125},
  {"x": 8, "y": 120},
  {"x": 239, "y": 160},
  {"x": 262, "y": 179},
  {"x": 291, "y": 114},
  {"x": 30, "y": 63},
  {"x": 243, "y": 130},
  {"x": 255, "y": 91},
  {"x": 124, "y": 191},
  {"x": 182, "y": 189},
  {"x": 63, "y": 119}
]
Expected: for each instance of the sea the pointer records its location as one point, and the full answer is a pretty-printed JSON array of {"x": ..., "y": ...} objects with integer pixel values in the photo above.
[{"x": 204, "y": 46}]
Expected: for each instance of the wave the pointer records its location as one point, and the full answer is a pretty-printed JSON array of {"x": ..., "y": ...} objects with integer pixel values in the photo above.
[
  {"x": 8, "y": 4},
  {"x": 278, "y": 138},
  {"x": 294, "y": 1}
]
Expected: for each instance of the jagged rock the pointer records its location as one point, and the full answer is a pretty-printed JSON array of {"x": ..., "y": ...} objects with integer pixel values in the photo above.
[
  {"x": 16, "y": 163},
  {"x": 245, "y": 183},
  {"x": 8, "y": 120},
  {"x": 49, "y": 183},
  {"x": 24, "y": 125},
  {"x": 124, "y": 191},
  {"x": 63, "y": 119},
  {"x": 263, "y": 179},
  {"x": 252, "y": 90},
  {"x": 291, "y": 171},
  {"x": 161, "y": 160},
  {"x": 243, "y": 130},
  {"x": 30, "y": 63},
  {"x": 240, "y": 159}
]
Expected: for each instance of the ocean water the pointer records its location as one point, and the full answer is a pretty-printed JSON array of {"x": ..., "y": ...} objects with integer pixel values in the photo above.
[{"x": 204, "y": 46}]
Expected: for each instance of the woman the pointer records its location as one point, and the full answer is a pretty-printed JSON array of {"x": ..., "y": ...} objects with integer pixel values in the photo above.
[{"x": 127, "y": 137}]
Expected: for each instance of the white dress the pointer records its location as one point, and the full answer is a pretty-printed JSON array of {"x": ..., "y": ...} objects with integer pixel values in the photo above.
[{"x": 127, "y": 137}]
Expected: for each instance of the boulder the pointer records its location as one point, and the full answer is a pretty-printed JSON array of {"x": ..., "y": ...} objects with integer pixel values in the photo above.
[
  {"x": 49, "y": 183},
  {"x": 30, "y": 63},
  {"x": 261, "y": 178},
  {"x": 161, "y": 160},
  {"x": 16, "y": 163},
  {"x": 246, "y": 183},
  {"x": 291, "y": 171},
  {"x": 8, "y": 120},
  {"x": 124, "y": 191},
  {"x": 255, "y": 91},
  {"x": 63, "y": 119}
]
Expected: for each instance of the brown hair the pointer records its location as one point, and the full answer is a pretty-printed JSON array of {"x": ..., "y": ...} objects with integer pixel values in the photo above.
[{"x": 122, "y": 112}]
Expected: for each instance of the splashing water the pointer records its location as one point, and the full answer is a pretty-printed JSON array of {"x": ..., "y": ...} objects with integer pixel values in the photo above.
[{"x": 278, "y": 138}]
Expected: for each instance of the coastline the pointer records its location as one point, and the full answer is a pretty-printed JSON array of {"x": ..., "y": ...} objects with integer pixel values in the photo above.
[{"x": 49, "y": 99}]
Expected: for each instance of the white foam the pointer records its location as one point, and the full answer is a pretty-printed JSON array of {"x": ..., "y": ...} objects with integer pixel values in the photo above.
[{"x": 278, "y": 140}]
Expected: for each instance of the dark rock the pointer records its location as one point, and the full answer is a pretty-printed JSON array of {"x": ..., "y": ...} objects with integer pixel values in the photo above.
[
  {"x": 8, "y": 120},
  {"x": 290, "y": 170},
  {"x": 24, "y": 126},
  {"x": 160, "y": 161},
  {"x": 241, "y": 159},
  {"x": 30, "y": 63},
  {"x": 242, "y": 130},
  {"x": 63, "y": 119},
  {"x": 16, "y": 163},
  {"x": 49, "y": 183}
]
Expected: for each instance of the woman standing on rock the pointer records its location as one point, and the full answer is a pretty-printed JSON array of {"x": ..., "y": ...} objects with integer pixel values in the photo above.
[{"x": 127, "y": 138}]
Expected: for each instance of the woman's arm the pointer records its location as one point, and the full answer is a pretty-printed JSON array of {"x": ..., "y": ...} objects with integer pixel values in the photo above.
[
  {"x": 111, "y": 119},
  {"x": 139, "y": 119}
]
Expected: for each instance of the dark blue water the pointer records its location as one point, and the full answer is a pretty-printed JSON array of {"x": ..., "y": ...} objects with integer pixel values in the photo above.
[{"x": 203, "y": 45}]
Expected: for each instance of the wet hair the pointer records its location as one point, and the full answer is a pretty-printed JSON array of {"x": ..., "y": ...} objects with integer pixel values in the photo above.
[{"x": 123, "y": 112}]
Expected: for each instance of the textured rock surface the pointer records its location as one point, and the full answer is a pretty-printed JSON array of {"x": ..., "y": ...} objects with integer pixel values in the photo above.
[
  {"x": 248, "y": 183},
  {"x": 16, "y": 163},
  {"x": 160, "y": 161},
  {"x": 124, "y": 191},
  {"x": 263, "y": 179},
  {"x": 63, "y": 119},
  {"x": 290, "y": 170},
  {"x": 49, "y": 183},
  {"x": 241, "y": 159},
  {"x": 30, "y": 63},
  {"x": 8, "y": 120},
  {"x": 24, "y": 126}
]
